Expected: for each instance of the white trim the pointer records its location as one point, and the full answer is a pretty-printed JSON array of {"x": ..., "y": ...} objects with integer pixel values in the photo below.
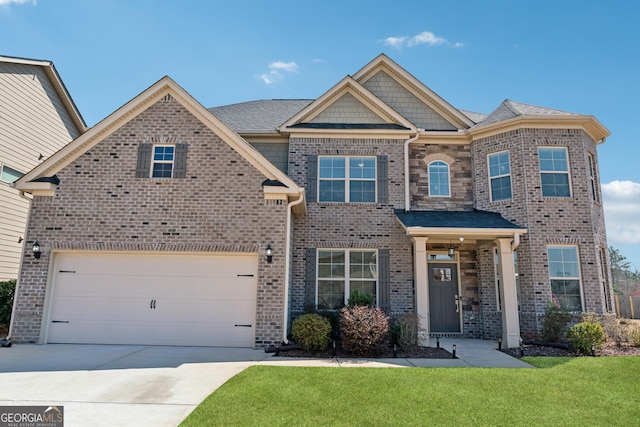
[
  {"x": 153, "y": 162},
  {"x": 578, "y": 278},
  {"x": 491, "y": 178},
  {"x": 567, "y": 172},
  {"x": 448, "y": 178},
  {"x": 347, "y": 178}
]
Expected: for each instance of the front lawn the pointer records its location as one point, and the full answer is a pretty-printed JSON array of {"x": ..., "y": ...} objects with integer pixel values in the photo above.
[{"x": 567, "y": 391}]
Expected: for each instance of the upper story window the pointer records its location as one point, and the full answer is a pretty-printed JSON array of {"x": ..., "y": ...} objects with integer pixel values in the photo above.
[
  {"x": 593, "y": 181},
  {"x": 347, "y": 179},
  {"x": 500, "y": 176},
  {"x": 564, "y": 274},
  {"x": 163, "y": 156},
  {"x": 554, "y": 171},
  {"x": 439, "y": 179},
  {"x": 9, "y": 175},
  {"x": 161, "y": 161},
  {"x": 341, "y": 272}
]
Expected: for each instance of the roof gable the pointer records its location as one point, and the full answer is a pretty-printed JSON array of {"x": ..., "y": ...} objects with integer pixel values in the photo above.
[
  {"x": 348, "y": 95},
  {"x": 164, "y": 87},
  {"x": 409, "y": 96}
]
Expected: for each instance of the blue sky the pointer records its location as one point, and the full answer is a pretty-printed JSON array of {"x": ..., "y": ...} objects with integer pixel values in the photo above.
[{"x": 578, "y": 56}]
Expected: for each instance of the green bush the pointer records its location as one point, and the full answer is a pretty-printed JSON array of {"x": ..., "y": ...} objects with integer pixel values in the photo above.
[
  {"x": 554, "y": 322},
  {"x": 358, "y": 298},
  {"x": 364, "y": 330},
  {"x": 585, "y": 335},
  {"x": 7, "y": 291},
  {"x": 312, "y": 332}
]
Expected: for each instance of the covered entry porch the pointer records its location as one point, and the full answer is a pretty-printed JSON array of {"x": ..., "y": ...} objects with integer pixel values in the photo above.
[{"x": 437, "y": 237}]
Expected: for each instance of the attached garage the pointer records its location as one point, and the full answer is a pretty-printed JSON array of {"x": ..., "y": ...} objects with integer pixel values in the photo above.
[{"x": 153, "y": 299}]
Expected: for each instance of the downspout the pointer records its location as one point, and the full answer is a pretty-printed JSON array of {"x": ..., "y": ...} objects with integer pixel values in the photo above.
[
  {"x": 287, "y": 263},
  {"x": 15, "y": 296},
  {"x": 516, "y": 242},
  {"x": 407, "y": 199}
]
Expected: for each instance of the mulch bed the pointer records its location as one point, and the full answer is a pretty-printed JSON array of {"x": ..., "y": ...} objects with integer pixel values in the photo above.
[
  {"x": 608, "y": 349},
  {"x": 409, "y": 352}
]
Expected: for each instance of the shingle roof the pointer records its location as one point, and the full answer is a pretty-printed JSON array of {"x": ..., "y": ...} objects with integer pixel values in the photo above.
[
  {"x": 261, "y": 115},
  {"x": 454, "y": 219},
  {"x": 509, "y": 109}
]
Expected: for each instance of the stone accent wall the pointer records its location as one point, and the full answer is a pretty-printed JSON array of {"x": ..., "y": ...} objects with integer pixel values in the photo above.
[
  {"x": 460, "y": 173},
  {"x": 100, "y": 206},
  {"x": 576, "y": 220},
  {"x": 353, "y": 225}
]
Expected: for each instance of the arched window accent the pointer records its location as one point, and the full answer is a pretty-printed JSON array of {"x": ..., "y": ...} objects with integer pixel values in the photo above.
[{"x": 439, "y": 179}]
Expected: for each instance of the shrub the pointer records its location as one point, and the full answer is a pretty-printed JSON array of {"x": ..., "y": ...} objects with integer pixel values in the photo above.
[
  {"x": 358, "y": 298},
  {"x": 312, "y": 332},
  {"x": 586, "y": 334},
  {"x": 634, "y": 336},
  {"x": 405, "y": 330},
  {"x": 364, "y": 330},
  {"x": 7, "y": 291},
  {"x": 554, "y": 322}
]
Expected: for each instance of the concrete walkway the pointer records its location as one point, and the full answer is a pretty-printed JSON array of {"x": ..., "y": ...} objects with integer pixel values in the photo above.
[{"x": 102, "y": 385}]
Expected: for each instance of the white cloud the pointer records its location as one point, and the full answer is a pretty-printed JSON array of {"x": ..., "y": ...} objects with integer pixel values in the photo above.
[
  {"x": 276, "y": 70},
  {"x": 6, "y": 2},
  {"x": 621, "y": 202},
  {"x": 425, "y": 37}
]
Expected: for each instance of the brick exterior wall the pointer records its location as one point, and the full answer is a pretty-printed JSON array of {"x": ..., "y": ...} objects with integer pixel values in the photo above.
[
  {"x": 100, "y": 206},
  {"x": 576, "y": 220}
]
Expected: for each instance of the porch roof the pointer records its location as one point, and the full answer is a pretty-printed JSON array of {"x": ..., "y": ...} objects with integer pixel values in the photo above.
[{"x": 452, "y": 224}]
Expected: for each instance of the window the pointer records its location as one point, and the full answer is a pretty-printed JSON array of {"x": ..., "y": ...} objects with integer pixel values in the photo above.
[
  {"x": 162, "y": 161},
  {"x": 342, "y": 271},
  {"x": 500, "y": 176},
  {"x": 554, "y": 172},
  {"x": 564, "y": 273},
  {"x": 604, "y": 279},
  {"x": 347, "y": 179},
  {"x": 592, "y": 178},
  {"x": 9, "y": 175},
  {"x": 439, "y": 179}
]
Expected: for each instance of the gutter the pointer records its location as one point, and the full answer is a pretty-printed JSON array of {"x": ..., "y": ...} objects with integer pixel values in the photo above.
[
  {"x": 407, "y": 198},
  {"x": 287, "y": 263}
]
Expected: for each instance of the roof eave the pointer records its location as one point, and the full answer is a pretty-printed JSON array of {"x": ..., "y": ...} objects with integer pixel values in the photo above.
[{"x": 467, "y": 232}]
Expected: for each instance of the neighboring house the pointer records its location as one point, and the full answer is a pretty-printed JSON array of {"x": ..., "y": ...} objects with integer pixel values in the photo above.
[
  {"x": 154, "y": 225},
  {"x": 37, "y": 118}
]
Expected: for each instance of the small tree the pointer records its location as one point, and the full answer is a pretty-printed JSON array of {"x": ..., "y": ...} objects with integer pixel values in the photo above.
[
  {"x": 7, "y": 291},
  {"x": 554, "y": 323},
  {"x": 364, "y": 330}
]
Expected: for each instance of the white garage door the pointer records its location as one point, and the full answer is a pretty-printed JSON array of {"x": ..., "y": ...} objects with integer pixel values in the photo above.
[{"x": 151, "y": 299}]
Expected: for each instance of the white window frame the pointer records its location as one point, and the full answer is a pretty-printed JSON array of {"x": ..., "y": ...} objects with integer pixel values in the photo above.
[
  {"x": 578, "y": 278},
  {"x": 448, "y": 178},
  {"x": 499, "y": 176},
  {"x": 155, "y": 162},
  {"x": 2, "y": 169},
  {"x": 347, "y": 279},
  {"x": 591, "y": 165},
  {"x": 348, "y": 179},
  {"x": 567, "y": 172}
]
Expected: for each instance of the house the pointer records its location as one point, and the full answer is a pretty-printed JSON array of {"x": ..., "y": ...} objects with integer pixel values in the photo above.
[
  {"x": 168, "y": 223},
  {"x": 37, "y": 118}
]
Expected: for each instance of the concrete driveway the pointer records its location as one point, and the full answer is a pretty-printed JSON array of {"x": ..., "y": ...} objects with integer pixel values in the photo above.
[{"x": 101, "y": 385}]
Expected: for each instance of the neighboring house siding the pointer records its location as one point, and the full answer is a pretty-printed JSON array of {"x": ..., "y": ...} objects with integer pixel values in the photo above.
[
  {"x": 347, "y": 109},
  {"x": 100, "y": 205},
  {"x": 574, "y": 221},
  {"x": 34, "y": 121},
  {"x": 406, "y": 103},
  {"x": 353, "y": 225}
]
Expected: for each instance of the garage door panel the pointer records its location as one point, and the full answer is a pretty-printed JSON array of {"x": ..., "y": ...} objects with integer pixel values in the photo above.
[{"x": 151, "y": 299}]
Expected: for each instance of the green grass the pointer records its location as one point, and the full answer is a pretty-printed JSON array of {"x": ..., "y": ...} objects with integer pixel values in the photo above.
[{"x": 566, "y": 392}]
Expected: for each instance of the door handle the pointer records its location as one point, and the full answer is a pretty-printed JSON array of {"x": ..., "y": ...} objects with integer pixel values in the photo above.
[
  {"x": 457, "y": 304},
  {"x": 152, "y": 304}
]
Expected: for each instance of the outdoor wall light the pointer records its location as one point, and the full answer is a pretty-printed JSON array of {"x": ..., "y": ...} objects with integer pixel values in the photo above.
[
  {"x": 269, "y": 253},
  {"x": 36, "y": 250}
]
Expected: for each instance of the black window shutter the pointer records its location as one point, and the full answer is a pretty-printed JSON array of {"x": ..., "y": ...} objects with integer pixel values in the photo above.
[
  {"x": 143, "y": 165},
  {"x": 383, "y": 179},
  {"x": 310, "y": 278},
  {"x": 180, "y": 163},
  {"x": 384, "y": 279},
  {"x": 312, "y": 178}
]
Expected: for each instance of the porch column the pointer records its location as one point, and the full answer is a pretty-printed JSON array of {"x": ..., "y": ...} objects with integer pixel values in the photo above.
[
  {"x": 421, "y": 286},
  {"x": 508, "y": 295}
]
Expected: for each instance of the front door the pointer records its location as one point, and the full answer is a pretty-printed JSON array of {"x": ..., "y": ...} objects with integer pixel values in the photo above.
[{"x": 444, "y": 301}]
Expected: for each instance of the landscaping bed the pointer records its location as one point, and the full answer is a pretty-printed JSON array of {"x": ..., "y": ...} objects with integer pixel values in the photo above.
[{"x": 409, "y": 352}]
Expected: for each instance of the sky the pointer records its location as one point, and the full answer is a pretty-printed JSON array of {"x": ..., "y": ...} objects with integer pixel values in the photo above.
[{"x": 577, "y": 56}]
